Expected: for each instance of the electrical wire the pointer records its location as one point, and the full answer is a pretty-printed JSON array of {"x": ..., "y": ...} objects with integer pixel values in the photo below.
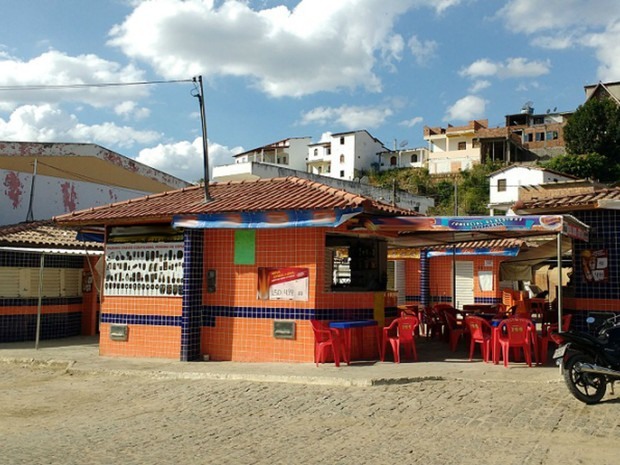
[{"x": 91, "y": 85}]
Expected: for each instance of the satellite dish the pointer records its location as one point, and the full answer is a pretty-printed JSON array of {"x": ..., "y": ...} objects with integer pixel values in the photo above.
[
  {"x": 403, "y": 143},
  {"x": 528, "y": 107}
]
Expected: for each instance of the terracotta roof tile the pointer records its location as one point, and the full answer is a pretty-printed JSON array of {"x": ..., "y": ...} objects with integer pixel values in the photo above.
[
  {"x": 582, "y": 201},
  {"x": 274, "y": 194},
  {"x": 43, "y": 233}
]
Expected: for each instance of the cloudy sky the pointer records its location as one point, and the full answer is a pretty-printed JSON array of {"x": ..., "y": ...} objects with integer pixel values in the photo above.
[{"x": 274, "y": 69}]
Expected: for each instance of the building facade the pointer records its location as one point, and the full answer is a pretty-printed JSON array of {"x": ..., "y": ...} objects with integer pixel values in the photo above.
[
  {"x": 40, "y": 180},
  {"x": 453, "y": 148}
]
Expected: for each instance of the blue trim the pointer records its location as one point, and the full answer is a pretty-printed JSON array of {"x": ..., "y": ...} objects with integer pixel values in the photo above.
[{"x": 20, "y": 328}]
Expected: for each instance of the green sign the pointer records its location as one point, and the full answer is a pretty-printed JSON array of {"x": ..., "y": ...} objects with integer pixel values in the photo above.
[{"x": 245, "y": 247}]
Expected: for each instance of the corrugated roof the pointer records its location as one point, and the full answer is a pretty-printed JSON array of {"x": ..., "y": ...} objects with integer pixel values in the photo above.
[
  {"x": 43, "y": 234},
  {"x": 565, "y": 203},
  {"x": 276, "y": 194}
]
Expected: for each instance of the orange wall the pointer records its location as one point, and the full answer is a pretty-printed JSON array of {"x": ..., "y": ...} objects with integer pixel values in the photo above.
[
  {"x": 144, "y": 340},
  {"x": 250, "y": 338}
]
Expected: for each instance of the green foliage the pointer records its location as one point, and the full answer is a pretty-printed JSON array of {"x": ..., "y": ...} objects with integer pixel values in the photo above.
[
  {"x": 472, "y": 187},
  {"x": 592, "y": 165},
  {"x": 594, "y": 128}
]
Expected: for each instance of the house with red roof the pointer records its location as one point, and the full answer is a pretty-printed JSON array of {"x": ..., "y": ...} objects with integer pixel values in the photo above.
[{"x": 238, "y": 276}]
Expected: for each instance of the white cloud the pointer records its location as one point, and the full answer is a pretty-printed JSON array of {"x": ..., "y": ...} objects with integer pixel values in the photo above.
[
  {"x": 350, "y": 117},
  {"x": 511, "y": 68},
  {"x": 607, "y": 46},
  {"x": 129, "y": 109},
  {"x": 284, "y": 52},
  {"x": 534, "y": 16},
  {"x": 466, "y": 109},
  {"x": 479, "y": 85},
  {"x": 423, "y": 51},
  {"x": 185, "y": 159},
  {"x": 47, "y": 123},
  {"x": 54, "y": 68},
  {"x": 411, "y": 122},
  {"x": 562, "y": 24}
]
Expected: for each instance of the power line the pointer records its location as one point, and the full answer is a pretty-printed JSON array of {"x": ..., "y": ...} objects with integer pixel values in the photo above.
[{"x": 92, "y": 85}]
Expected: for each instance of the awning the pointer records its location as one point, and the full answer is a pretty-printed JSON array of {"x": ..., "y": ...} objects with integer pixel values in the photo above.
[
  {"x": 419, "y": 231},
  {"x": 268, "y": 219},
  {"x": 519, "y": 268}
]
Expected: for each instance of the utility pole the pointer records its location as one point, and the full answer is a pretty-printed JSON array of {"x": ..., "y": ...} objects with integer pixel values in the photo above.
[
  {"x": 205, "y": 146},
  {"x": 30, "y": 214}
]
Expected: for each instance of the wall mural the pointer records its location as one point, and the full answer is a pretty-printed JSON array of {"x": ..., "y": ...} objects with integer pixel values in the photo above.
[{"x": 144, "y": 269}]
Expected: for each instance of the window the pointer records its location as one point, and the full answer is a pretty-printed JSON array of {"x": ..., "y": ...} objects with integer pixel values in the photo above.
[
  {"x": 462, "y": 146},
  {"x": 342, "y": 173},
  {"x": 414, "y": 158},
  {"x": 342, "y": 141},
  {"x": 529, "y": 137},
  {"x": 540, "y": 136},
  {"x": 329, "y": 150},
  {"x": 355, "y": 265},
  {"x": 328, "y": 169},
  {"x": 341, "y": 158},
  {"x": 501, "y": 185},
  {"x": 316, "y": 152},
  {"x": 552, "y": 135},
  {"x": 393, "y": 161}
]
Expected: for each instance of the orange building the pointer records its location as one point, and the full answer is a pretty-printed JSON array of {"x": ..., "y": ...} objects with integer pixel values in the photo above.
[{"x": 238, "y": 277}]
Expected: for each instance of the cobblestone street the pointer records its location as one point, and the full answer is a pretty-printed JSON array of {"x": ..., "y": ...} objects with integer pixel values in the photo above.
[{"x": 50, "y": 416}]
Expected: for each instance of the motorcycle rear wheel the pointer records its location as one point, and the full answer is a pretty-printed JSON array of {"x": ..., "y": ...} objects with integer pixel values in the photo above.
[{"x": 589, "y": 388}]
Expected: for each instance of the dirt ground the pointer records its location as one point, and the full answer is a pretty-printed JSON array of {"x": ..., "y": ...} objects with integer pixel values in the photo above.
[{"x": 50, "y": 416}]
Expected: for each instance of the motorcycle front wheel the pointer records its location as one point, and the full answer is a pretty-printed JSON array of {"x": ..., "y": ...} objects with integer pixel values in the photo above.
[{"x": 589, "y": 388}]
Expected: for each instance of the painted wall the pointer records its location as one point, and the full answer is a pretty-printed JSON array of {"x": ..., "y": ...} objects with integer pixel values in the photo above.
[{"x": 52, "y": 196}]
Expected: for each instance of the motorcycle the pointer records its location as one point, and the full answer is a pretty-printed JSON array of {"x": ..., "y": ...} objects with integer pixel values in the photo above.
[{"x": 589, "y": 362}]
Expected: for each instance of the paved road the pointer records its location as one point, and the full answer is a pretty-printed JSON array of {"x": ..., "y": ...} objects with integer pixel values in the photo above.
[{"x": 50, "y": 416}]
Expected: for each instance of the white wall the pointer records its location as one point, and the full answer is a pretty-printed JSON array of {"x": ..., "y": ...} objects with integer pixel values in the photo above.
[
  {"x": 52, "y": 196},
  {"x": 515, "y": 177}
]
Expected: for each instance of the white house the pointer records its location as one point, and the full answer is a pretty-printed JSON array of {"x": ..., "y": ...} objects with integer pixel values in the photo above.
[
  {"x": 405, "y": 158},
  {"x": 345, "y": 155},
  {"x": 454, "y": 148},
  {"x": 39, "y": 180},
  {"x": 290, "y": 153},
  {"x": 505, "y": 183}
]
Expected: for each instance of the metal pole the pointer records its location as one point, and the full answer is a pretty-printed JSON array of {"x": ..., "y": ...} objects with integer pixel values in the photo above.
[
  {"x": 559, "y": 296},
  {"x": 456, "y": 213},
  {"x": 38, "y": 334},
  {"x": 205, "y": 144},
  {"x": 30, "y": 214}
]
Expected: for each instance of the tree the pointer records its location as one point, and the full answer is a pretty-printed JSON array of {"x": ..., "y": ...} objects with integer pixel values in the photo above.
[
  {"x": 594, "y": 128},
  {"x": 592, "y": 165}
]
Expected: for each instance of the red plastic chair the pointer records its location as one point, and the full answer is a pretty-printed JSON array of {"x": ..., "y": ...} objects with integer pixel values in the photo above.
[
  {"x": 515, "y": 333},
  {"x": 455, "y": 330},
  {"x": 480, "y": 332},
  {"x": 550, "y": 333},
  {"x": 435, "y": 322},
  {"x": 325, "y": 340},
  {"x": 401, "y": 332}
]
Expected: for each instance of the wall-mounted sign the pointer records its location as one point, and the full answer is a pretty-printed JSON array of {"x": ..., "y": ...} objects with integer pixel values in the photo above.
[
  {"x": 284, "y": 329},
  {"x": 283, "y": 284},
  {"x": 594, "y": 264},
  {"x": 144, "y": 269}
]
